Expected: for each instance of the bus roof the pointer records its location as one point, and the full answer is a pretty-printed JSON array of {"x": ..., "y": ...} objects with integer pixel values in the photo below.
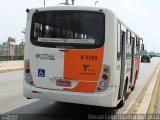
[{"x": 72, "y": 7}]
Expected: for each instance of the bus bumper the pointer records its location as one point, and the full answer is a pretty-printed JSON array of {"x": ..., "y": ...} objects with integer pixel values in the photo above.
[{"x": 105, "y": 99}]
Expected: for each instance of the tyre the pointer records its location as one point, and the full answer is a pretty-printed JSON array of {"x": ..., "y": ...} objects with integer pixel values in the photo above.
[
  {"x": 121, "y": 104},
  {"x": 132, "y": 88}
]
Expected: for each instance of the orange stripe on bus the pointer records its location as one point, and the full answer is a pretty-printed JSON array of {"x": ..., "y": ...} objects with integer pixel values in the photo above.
[
  {"x": 136, "y": 67},
  {"x": 83, "y": 64}
]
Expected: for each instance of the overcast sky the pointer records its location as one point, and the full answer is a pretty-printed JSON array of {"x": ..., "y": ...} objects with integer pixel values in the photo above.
[{"x": 142, "y": 16}]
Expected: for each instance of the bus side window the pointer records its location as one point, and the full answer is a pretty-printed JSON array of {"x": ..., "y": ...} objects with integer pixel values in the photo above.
[
  {"x": 135, "y": 47},
  {"x": 118, "y": 41},
  {"x": 129, "y": 38},
  {"x": 128, "y": 45}
]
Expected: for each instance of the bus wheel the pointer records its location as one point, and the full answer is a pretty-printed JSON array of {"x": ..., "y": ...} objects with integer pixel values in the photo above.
[
  {"x": 132, "y": 88},
  {"x": 121, "y": 104}
]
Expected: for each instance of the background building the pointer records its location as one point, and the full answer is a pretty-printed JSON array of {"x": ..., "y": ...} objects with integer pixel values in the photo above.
[
  {"x": 3, "y": 49},
  {"x": 10, "y": 50},
  {"x": 11, "y": 43}
]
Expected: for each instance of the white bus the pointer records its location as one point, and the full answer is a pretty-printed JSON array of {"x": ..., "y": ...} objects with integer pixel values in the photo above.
[{"x": 78, "y": 54}]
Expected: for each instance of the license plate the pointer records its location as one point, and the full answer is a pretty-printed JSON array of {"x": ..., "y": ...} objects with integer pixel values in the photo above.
[{"x": 63, "y": 83}]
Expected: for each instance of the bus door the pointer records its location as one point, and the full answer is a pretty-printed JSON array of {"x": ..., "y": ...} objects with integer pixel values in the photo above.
[
  {"x": 129, "y": 57},
  {"x": 122, "y": 60}
]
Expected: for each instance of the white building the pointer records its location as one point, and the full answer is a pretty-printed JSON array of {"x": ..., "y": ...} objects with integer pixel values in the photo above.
[{"x": 11, "y": 43}]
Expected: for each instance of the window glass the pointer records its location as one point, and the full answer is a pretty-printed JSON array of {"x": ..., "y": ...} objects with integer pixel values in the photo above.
[
  {"x": 118, "y": 41},
  {"x": 70, "y": 28},
  {"x": 128, "y": 46},
  {"x": 128, "y": 38}
]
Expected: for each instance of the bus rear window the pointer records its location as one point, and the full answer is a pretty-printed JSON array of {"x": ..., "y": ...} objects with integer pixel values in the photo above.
[{"x": 77, "y": 29}]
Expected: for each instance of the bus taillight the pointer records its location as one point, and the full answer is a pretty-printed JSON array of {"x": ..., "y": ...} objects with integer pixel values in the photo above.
[
  {"x": 28, "y": 75},
  {"x": 105, "y": 70},
  {"x": 27, "y": 64},
  {"x": 105, "y": 77},
  {"x": 104, "y": 80},
  {"x": 27, "y": 70}
]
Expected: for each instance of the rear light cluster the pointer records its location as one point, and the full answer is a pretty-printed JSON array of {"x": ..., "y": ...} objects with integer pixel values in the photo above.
[
  {"x": 104, "y": 79},
  {"x": 28, "y": 75}
]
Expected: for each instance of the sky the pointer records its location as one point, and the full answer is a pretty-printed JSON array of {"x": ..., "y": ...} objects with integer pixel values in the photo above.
[{"x": 142, "y": 16}]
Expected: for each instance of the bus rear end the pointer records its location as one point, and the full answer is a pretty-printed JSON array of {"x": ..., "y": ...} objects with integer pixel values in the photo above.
[{"x": 64, "y": 55}]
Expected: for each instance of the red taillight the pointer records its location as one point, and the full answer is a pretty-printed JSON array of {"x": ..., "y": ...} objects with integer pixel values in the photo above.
[
  {"x": 99, "y": 89},
  {"x": 31, "y": 82},
  {"x": 28, "y": 75},
  {"x": 105, "y": 70},
  {"x": 34, "y": 92},
  {"x": 27, "y": 64},
  {"x": 103, "y": 83},
  {"x": 27, "y": 70},
  {"x": 105, "y": 77}
]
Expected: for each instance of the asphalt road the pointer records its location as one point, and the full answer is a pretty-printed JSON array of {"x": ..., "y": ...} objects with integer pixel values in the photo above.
[{"x": 12, "y": 100}]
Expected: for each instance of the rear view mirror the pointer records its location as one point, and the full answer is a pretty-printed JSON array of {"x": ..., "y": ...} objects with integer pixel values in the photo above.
[{"x": 142, "y": 47}]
